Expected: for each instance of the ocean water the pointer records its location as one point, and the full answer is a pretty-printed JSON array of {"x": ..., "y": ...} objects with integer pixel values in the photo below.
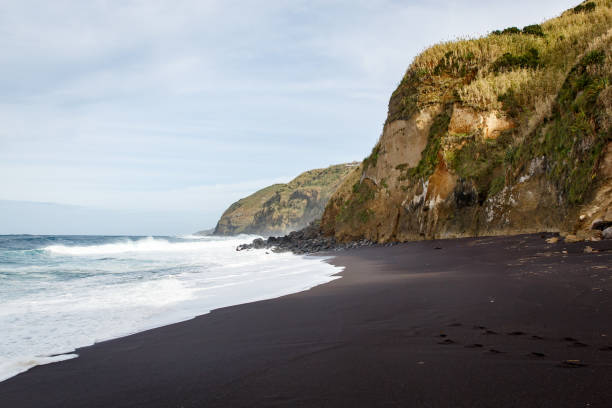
[{"x": 58, "y": 293}]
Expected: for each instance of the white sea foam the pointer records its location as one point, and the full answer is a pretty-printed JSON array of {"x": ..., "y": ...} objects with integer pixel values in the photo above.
[
  {"x": 77, "y": 295},
  {"x": 148, "y": 244},
  {"x": 11, "y": 368},
  {"x": 192, "y": 236}
]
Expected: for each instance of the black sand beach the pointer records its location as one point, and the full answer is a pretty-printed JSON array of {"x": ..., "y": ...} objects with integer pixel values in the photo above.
[{"x": 484, "y": 322}]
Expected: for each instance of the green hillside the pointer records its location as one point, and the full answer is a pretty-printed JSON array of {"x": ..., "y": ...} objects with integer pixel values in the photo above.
[{"x": 281, "y": 208}]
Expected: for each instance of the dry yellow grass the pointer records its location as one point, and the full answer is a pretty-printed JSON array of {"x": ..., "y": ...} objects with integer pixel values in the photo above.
[{"x": 566, "y": 39}]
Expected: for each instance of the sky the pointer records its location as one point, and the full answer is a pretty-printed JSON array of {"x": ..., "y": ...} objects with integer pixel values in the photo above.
[{"x": 151, "y": 117}]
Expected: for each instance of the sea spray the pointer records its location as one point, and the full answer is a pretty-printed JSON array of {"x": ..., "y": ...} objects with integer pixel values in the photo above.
[{"x": 61, "y": 293}]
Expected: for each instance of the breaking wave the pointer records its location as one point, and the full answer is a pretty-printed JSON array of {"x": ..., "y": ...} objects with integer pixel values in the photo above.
[{"x": 62, "y": 293}]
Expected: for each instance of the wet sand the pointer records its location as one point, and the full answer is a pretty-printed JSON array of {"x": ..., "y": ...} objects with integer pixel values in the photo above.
[{"x": 483, "y": 322}]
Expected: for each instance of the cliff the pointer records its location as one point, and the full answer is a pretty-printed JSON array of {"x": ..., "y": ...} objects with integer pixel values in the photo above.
[
  {"x": 509, "y": 133},
  {"x": 281, "y": 208}
]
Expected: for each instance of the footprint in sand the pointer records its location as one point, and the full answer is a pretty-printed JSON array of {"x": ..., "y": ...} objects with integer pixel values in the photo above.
[
  {"x": 516, "y": 333},
  {"x": 572, "y": 364},
  {"x": 475, "y": 345},
  {"x": 495, "y": 351},
  {"x": 447, "y": 342},
  {"x": 537, "y": 354}
]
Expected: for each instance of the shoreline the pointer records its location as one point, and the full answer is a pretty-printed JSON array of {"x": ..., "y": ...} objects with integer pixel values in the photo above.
[
  {"x": 480, "y": 322},
  {"x": 44, "y": 328}
]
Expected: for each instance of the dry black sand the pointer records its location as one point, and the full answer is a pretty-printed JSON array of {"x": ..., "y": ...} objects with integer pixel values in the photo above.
[{"x": 486, "y": 322}]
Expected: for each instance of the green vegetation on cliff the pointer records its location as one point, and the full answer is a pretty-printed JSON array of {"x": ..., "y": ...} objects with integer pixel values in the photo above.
[
  {"x": 511, "y": 132},
  {"x": 281, "y": 208},
  {"x": 576, "y": 132}
]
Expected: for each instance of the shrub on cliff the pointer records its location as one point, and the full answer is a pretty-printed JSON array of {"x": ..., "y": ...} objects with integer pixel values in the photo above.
[
  {"x": 508, "y": 61},
  {"x": 585, "y": 8},
  {"x": 534, "y": 29}
]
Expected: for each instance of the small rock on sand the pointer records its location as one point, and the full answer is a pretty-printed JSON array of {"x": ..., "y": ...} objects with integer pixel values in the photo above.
[
  {"x": 572, "y": 364},
  {"x": 571, "y": 238}
]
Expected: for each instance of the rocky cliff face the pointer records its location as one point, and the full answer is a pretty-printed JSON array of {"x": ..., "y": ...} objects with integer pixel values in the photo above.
[
  {"x": 511, "y": 133},
  {"x": 281, "y": 208}
]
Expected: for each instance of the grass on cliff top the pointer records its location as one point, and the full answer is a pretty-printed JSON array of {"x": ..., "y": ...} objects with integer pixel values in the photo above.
[
  {"x": 326, "y": 179},
  {"x": 255, "y": 199},
  {"x": 532, "y": 61}
]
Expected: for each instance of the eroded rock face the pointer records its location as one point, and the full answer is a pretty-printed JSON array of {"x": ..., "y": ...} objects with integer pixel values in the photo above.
[
  {"x": 487, "y": 124},
  {"x": 597, "y": 214},
  {"x": 401, "y": 143},
  {"x": 400, "y": 147},
  {"x": 394, "y": 207},
  {"x": 443, "y": 204}
]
